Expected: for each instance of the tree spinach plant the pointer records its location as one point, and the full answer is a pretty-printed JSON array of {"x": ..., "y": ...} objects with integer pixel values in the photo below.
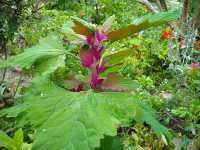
[{"x": 96, "y": 104}]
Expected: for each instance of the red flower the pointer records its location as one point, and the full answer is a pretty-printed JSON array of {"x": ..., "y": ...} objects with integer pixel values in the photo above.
[
  {"x": 198, "y": 46},
  {"x": 197, "y": 41},
  {"x": 164, "y": 35}
]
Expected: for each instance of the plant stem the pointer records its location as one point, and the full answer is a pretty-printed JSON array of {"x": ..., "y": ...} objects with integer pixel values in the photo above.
[
  {"x": 97, "y": 17},
  {"x": 5, "y": 58},
  {"x": 18, "y": 84}
]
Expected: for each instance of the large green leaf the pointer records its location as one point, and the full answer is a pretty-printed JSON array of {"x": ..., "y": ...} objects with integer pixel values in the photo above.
[
  {"x": 50, "y": 50},
  {"x": 77, "y": 121},
  {"x": 143, "y": 23},
  {"x": 50, "y": 65}
]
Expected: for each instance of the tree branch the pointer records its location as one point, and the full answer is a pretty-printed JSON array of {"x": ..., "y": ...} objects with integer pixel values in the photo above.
[{"x": 148, "y": 5}]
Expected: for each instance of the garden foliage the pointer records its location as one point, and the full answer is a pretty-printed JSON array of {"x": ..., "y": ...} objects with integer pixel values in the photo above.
[{"x": 80, "y": 117}]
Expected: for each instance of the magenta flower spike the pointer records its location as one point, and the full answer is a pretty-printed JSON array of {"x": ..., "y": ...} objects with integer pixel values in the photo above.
[
  {"x": 99, "y": 37},
  {"x": 95, "y": 81},
  {"x": 91, "y": 57},
  {"x": 96, "y": 53}
]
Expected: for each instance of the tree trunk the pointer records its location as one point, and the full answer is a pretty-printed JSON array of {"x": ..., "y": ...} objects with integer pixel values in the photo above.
[
  {"x": 185, "y": 10},
  {"x": 196, "y": 20},
  {"x": 5, "y": 52},
  {"x": 162, "y": 4}
]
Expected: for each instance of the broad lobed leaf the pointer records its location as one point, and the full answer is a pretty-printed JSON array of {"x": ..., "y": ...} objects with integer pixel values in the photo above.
[
  {"x": 74, "y": 121},
  {"x": 50, "y": 65},
  {"x": 143, "y": 23},
  {"x": 50, "y": 50}
]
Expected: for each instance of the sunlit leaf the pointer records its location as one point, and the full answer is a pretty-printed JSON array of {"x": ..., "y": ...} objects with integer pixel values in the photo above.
[
  {"x": 144, "y": 23},
  {"x": 50, "y": 51}
]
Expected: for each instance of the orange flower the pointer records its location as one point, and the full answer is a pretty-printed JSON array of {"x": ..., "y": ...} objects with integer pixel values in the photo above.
[
  {"x": 198, "y": 46},
  {"x": 167, "y": 34},
  {"x": 197, "y": 41},
  {"x": 171, "y": 34}
]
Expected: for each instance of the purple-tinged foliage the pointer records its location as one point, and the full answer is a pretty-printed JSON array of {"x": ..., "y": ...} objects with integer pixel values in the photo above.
[
  {"x": 99, "y": 38},
  {"x": 95, "y": 79},
  {"x": 90, "y": 58},
  {"x": 78, "y": 89}
]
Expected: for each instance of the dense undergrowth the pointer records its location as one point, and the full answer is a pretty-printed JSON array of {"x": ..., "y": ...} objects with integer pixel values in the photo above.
[{"x": 90, "y": 81}]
